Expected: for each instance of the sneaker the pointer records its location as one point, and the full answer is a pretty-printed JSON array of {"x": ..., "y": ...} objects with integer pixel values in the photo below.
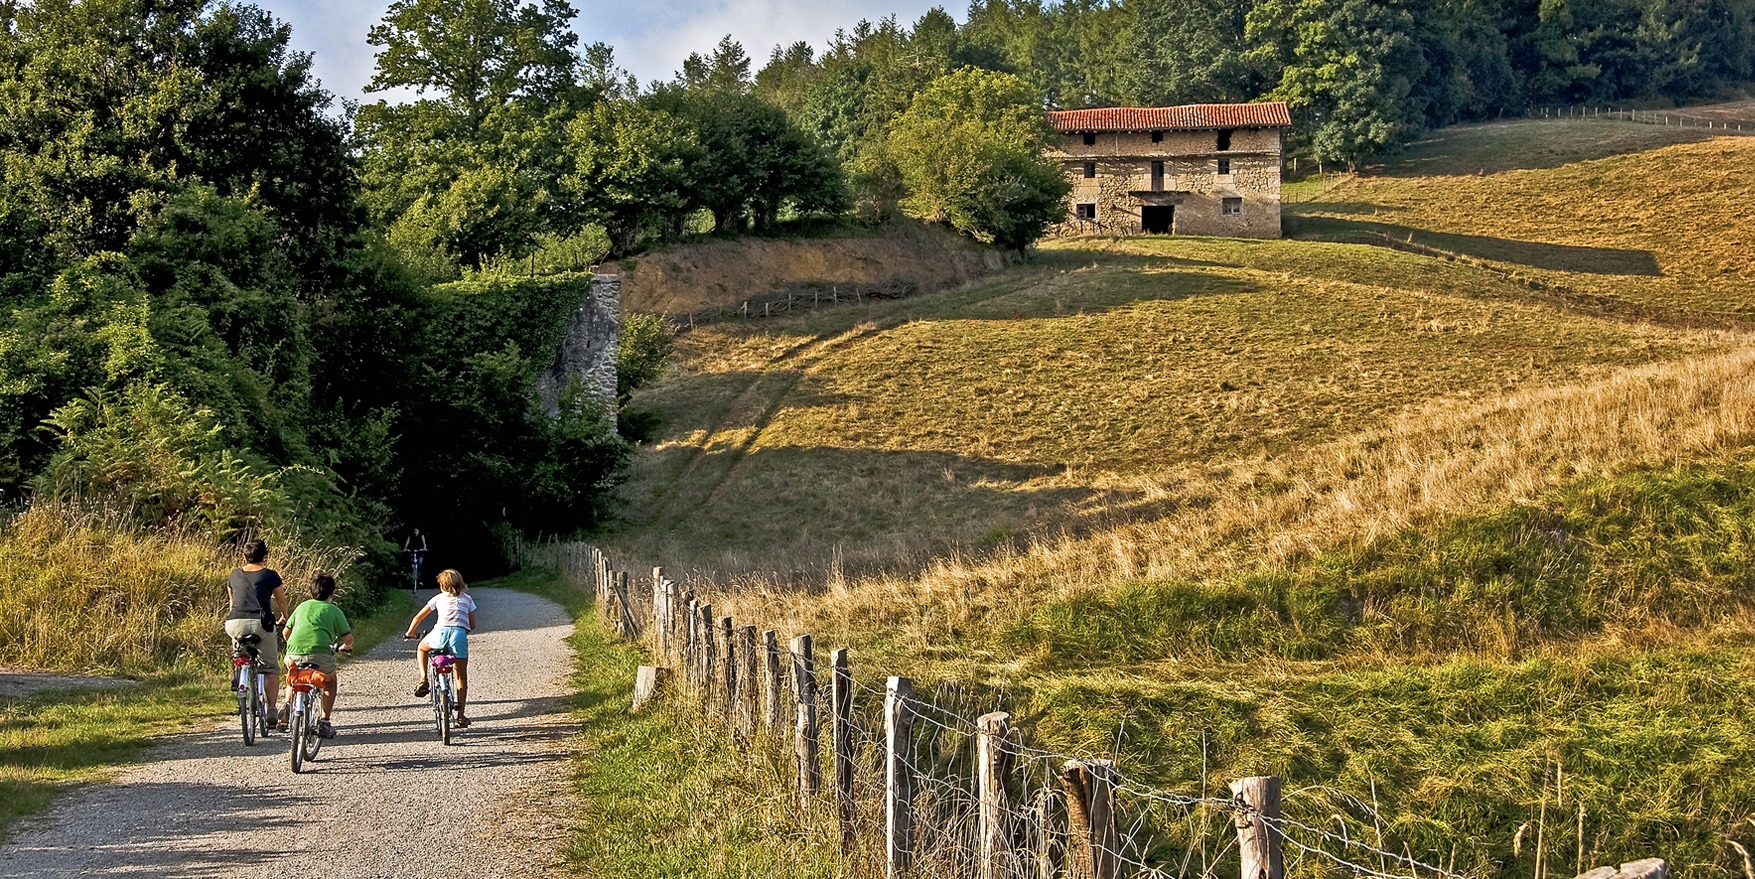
[
  {"x": 461, "y": 722},
  {"x": 280, "y": 719},
  {"x": 325, "y": 730},
  {"x": 423, "y": 689}
]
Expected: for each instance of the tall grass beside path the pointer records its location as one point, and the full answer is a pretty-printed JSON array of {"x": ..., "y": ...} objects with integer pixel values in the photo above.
[{"x": 87, "y": 589}]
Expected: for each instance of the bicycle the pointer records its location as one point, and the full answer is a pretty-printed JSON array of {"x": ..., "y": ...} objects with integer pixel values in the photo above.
[
  {"x": 441, "y": 677},
  {"x": 441, "y": 673},
  {"x": 305, "y": 711},
  {"x": 414, "y": 560},
  {"x": 249, "y": 682}
]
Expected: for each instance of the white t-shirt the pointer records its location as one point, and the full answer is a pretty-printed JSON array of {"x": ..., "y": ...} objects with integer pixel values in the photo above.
[{"x": 452, "y": 610}]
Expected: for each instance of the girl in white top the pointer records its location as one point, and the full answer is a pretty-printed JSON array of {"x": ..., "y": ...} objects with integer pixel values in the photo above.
[{"x": 451, "y": 628}]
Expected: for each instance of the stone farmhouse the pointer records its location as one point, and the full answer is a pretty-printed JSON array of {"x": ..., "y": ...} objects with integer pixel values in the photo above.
[{"x": 1199, "y": 169}]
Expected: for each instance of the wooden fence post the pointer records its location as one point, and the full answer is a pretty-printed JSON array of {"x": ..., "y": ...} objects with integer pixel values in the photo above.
[
  {"x": 660, "y": 614},
  {"x": 749, "y": 698},
  {"x": 730, "y": 663},
  {"x": 647, "y": 682},
  {"x": 625, "y": 623},
  {"x": 1647, "y": 868},
  {"x": 804, "y": 689},
  {"x": 603, "y": 585},
  {"x": 1093, "y": 845},
  {"x": 898, "y": 777},
  {"x": 1258, "y": 843},
  {"x": 993, "y": 767},
  {"x": 691, "y": 647},
  {"x": 771, "y": 680},
  {"x": 709, "y": 665},
  {"x": 841, "y": 735}
]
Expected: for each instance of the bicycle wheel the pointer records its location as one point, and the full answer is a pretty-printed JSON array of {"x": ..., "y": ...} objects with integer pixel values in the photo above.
[
  {"x": 313, "y": 741},
  {"x": 443, "y": 709},
  {"x": 299, "y": 732},
  {"x": 265, "y": 710},
  {"x": 246, "y": 695}
]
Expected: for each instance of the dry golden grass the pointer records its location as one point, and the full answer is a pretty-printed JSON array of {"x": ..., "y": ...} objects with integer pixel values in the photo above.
[
  {"x": 1426, "y": 464},
  {"x": 1176, "y": 408},
  {"x": 1056, "y": 399},
  {"x": 1660, "y": 227},
  {"x": 88, "y": 590}
]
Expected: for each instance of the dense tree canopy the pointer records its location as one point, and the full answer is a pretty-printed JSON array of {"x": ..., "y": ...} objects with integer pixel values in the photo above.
[
  {"x": 969, "y": 150},
  {"x": 201, "y": 324}
]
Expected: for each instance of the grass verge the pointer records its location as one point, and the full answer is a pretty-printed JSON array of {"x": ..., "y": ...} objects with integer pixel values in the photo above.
[
  {"x": 52, "y": 741},
  {"x": 661, "y": 794}
]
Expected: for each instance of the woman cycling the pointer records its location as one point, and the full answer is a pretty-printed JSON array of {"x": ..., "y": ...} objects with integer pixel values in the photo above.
[
  {"x": 456, "y": 619},
  {"x": 258, "y": 600}
]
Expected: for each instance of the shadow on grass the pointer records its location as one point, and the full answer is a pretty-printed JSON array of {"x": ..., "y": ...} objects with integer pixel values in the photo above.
[
  {"x": 1530, "y": 144},
  {"x": 1535, "y": 254}
]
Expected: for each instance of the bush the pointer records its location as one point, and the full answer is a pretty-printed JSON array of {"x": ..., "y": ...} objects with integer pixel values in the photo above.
[{"x": 640, "y": 354}]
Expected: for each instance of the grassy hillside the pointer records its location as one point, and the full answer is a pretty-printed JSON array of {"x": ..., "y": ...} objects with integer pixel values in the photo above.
[{"x": 1445, "y": 499}]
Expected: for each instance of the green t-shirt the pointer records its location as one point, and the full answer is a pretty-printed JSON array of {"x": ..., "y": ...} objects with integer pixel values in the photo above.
[{"x": 315, "y": 625}]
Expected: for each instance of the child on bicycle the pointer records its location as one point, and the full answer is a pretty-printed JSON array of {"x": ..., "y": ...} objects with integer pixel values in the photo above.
[
  {"x": 451, "y": 628},
  {"x": 314, "y": 625}
]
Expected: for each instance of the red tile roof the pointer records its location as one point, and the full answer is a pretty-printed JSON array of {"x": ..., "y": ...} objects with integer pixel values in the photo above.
[{"x": 1188, "y": 116}]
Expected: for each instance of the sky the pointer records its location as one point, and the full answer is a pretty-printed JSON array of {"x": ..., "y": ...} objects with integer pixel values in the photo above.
[{"x": 651, "y": 39}]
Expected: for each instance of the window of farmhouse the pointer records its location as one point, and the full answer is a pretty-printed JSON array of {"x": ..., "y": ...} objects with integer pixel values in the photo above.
[
  {"x": 1157, "y": 137},
  {"x": 1224, "y": 166},
  {"x": 1090, "y": 139},
  {"x": 1086, "y": 210},
  {"x": 1224, "y": 139},
  {"x": 1231, "y": 206},
  {"x": 1090, "y": 169}
]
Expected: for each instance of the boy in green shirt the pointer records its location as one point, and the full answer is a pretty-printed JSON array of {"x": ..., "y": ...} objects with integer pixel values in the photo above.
[{"x": 314, "y": 625}]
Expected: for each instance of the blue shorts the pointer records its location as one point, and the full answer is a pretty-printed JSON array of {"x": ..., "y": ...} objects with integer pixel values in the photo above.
[{"x": 453, "y": 638}]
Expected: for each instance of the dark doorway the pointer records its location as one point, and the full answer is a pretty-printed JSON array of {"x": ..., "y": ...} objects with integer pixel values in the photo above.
[{"x": 1158, "y": 219}]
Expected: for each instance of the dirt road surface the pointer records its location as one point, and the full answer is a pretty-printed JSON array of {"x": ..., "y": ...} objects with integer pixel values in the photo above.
[{"x": 383, "y": 800}]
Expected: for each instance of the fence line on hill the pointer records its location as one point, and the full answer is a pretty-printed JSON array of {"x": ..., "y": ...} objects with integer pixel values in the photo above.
[
  {"x": 909, "y": 787},
  {"x": 1670, "y": 118}
]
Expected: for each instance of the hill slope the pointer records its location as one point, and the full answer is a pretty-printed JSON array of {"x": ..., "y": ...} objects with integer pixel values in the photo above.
[{"x": 1363, "y": 517}]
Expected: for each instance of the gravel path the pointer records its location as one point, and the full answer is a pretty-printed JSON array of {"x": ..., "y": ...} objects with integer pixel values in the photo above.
[{"x": 383, "y": 799}]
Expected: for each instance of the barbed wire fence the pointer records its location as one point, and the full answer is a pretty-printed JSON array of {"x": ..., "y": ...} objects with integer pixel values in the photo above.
[{"x": 911, "y": 785}]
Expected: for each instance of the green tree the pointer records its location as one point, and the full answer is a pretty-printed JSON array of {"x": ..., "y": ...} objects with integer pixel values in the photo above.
[
  {"x": 969, "y": 152},
  {"x": 630, "y": 170},
  {"x": 468, "y": 174},
  {"x": 1347, "y": 70},
  {"x": 753, "y": 160},
  {"x": 477, "y": 55},
  {"x": 1188, "y": 51}
]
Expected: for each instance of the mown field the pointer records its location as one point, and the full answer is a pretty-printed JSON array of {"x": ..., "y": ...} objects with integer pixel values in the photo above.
[{"x": 1460, "y": 531}]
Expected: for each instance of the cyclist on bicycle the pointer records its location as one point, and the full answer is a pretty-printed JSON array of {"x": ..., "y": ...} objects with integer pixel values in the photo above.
[
  {"x": 258, "y": 599},
  {"x": 314, "y": 625},
  {"x": 456, "y": 619},
  {"x": 416, "y": 547}
]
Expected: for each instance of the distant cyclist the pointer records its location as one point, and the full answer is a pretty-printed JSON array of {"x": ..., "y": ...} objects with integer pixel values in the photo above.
[
  {"x": 416, "y": 547},
  {"x": 314, "y": 625},
  {"x": 456, "y": 619},
  {"x": 258, "y": 601}
]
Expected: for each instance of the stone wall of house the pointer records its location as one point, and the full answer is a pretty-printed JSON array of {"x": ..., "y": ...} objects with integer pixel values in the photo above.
[
  {"x": 1191, "y": 181},
  {"x": 587, "y": 353}
]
